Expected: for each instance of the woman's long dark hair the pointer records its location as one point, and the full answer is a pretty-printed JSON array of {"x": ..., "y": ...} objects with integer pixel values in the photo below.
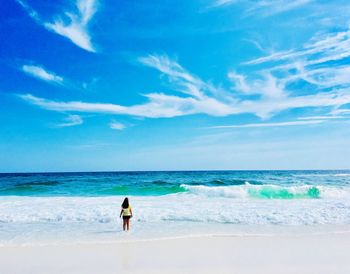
[{"x": 125, "y": 204}]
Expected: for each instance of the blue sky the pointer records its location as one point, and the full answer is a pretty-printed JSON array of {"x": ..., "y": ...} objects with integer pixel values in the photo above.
[{"x": 166, "y": 85}]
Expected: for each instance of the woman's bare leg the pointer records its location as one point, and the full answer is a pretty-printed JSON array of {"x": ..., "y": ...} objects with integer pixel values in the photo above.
[
  {"x": 124, "y": 224},
  {"x": 128, "y": 223}
]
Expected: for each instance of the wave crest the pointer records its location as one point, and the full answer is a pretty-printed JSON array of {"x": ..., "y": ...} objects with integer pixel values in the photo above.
[{"x": 267, "y": 191}]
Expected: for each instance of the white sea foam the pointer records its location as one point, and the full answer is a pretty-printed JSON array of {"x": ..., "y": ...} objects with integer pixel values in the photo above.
[
  {"x": 269, "y": 191},
  {"x": 342, "y": 175},
  {"x": 219, "y": 191},
  {"x": 201, "y": 204},
  {"x": 23, "y": 217}
]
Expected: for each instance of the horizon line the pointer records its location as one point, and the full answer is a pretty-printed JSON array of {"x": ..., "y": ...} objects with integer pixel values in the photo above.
[{"x": 187, "y": 170}]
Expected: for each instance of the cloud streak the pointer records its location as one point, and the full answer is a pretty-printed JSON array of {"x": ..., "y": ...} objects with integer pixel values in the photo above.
[
  {"x": 267, "y": 85},
  {"x": 117, "y": 125},
  {"x": 158, "y": 105},
  {"x": 279, "y": 124},
  {"x": 41, "y": 73},
  {"x": 263, "y": 7},
  {"x": 321, "y": 49},
  {"x": 184, "y": 81},
  {"x": 221, "y": 3},
  {"x": 71, "y": 120},
  {"x": 166, "y": 106},
  {"x": 322, "y": 117},
  {"x": 72, "y": 24},
  {"x": 272, "y": 7}
]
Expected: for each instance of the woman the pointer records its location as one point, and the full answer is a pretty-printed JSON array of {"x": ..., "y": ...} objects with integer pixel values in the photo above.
[{"x": 126, "y": 212}]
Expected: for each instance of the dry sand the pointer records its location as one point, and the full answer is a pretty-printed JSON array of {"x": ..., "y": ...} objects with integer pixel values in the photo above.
[{"x": 317, "y": 254}]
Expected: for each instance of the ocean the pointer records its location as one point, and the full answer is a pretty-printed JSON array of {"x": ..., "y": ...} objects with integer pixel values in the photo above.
[{"x": 41, "y": 208}]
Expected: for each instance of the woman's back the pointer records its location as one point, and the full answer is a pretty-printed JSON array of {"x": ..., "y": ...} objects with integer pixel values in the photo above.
[{"x": 127, "y": 211}]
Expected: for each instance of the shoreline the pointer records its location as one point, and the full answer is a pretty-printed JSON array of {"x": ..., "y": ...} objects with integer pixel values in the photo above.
[
  {"x": 215, "y": 231},
  {"x": 319, "y": 254},
  {"x": 126, "y": 239}
]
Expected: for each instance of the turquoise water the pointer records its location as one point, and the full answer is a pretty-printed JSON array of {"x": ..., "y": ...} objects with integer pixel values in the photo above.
[
  {"x": 263, "y": 184},
  {"x": 85, "y": 206}
]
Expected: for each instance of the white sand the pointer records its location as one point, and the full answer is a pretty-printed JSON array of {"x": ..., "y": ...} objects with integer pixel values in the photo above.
[{"x": 328, "y": 254}]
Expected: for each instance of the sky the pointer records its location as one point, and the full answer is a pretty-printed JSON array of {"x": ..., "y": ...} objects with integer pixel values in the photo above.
[{"x": 109, "y": 85}]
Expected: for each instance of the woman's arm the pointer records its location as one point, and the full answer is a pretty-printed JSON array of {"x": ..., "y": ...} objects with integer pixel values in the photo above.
[
  {"x": 131, "y": 211},
  {"x": 121, "y": 212}
]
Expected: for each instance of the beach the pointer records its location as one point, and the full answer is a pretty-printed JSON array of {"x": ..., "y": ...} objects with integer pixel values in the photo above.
[
  {"x": 307, "y": 254},
  {"x": 183, "y": 222}
]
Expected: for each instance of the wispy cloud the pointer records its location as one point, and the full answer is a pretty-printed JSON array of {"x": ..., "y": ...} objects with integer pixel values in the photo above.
[
  {"x": 220, "y": 3},
  {"x": 117, "y": 125},
  {"x": 199, "y": 97},
  {"x": 90, "y": 146},
  {"x": 322, "y": 117},
  {"x": 324, "y": 77},
  {"x": 71, "y": 120},
  {"x": 158, "y": 105},
  {"x": 267, "y": 108},
  {"x": 279, "y": 124},
  {"x": 72, "y": 24},
  {"x": 161, "y": 105},
  {"x": 321, "y": 64},
  {"x": 267, "y": 85},
  {"x": 272, "y": 7},
  {"x": 181, "y": 78},
  {"x": 263, "y": 7},
  {"x": 340, "y": 111},
  {"x": 41, "y": 73},
  {"x": 322, "y": 48}
]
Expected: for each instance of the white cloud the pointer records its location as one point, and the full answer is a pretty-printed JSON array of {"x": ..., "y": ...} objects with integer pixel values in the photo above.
[
  {"x": 264, "y": 7},
  {"x": 161, "y": 105},
  {"x": 279, "y": 124},
  {"x": 268, "y": 86},
  {"x": 267, "y": 108},
  {"x": 340, "y": 111},
  {"x": 240, "y": 83},
  {"x": 71, "y": 120},
  {"x": 41, "y": 73},
  {"x": 199, "y": 97},
  {"x": 117, "y": 125},
  {"x": 321, "y": 49},
  {"x": 324, "y": 77},
  {"x": 329, "y": 82},
  {"x": 272, "y": 7},
  {"x": 321, "y": 117},
  {"x": 158, "y": 105},
  {"x": 182, "y": 79},
  {"x": 72, "y": 24},
  {"x": 220, "y": 3}
]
